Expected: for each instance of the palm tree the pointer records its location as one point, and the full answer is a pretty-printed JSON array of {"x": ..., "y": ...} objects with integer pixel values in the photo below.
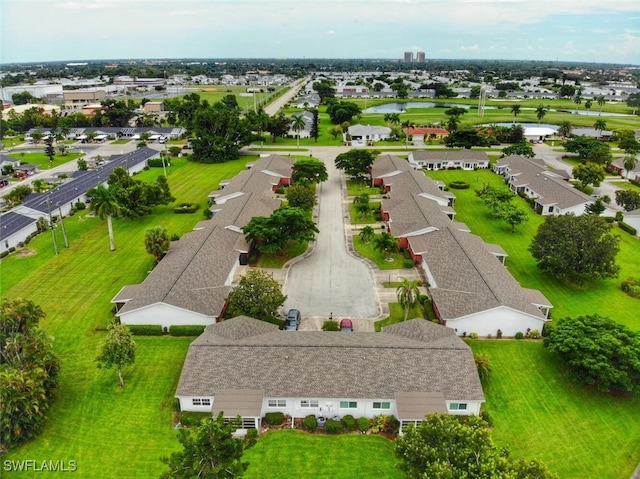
[
  {"x": 577, "y": 99},
  {"x": 629, "y": 164},
  {"x": 387, "y": 244},
  {"x": 587, "y": 105},
  {"x": 564, "y": 130},
  {"x": 452, "y": 123},
  {"x": 601, "y": 101},
  {"x": 104, "y": 204},
  {"x": 392, "y": 118},
  {"x": 366, "y": 234},
  {"x": 157, "y": 242},
  {"x": 541, "y": 111},
  {"x": 515, "y": 109},
  {"x": 298, "y": 124},
  {"x": 600, "y": 125},
  {"x": 408, "y": 295}
]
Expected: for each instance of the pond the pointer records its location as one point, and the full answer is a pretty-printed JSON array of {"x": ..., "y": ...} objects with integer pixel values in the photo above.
[{"x": 398, "y": 107}]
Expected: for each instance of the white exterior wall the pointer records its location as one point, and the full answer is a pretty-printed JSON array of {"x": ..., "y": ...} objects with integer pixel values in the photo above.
[
  {"x": 578, "y": 210},
  {"x": 473, "y": 407},
  {"x": 186, "y": 404},
  {"x": 13, "y": 240},
  {"x": 508, "y": 320},
  {"x": 165, "y": 315},
  {"x": 633, "y": 221}
]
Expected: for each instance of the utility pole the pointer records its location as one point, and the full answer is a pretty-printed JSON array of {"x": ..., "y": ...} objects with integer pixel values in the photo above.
[
  {"x": 64, "y": 231},
  {"x": 53, "y": 233}
]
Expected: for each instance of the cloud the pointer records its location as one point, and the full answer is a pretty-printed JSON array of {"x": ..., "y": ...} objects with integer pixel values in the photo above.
[
  {"x": 330, "y": 32},
  {"x": 85, "y": 5}
]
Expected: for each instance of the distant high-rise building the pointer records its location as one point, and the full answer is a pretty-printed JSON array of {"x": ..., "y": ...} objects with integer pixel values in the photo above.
[
  {"x": 408, "y": 57},
  {"x": 420, "y": 57}
]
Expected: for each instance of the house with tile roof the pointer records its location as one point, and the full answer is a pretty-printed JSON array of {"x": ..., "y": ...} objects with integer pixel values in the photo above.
[
  {"x": 470, "y": 288},
  {"x": 447, "y": 160},
  {"x": 189, "y": 286},
  {"x": 246, "y": 367},
  {"x": 551, "y": 193},
  {"x": 425, "y": 133}
]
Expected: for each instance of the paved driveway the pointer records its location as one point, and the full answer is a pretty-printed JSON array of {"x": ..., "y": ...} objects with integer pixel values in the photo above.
[{"x": 330, "y": 280}]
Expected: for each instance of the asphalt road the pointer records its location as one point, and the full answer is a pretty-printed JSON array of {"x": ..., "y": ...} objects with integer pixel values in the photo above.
[{"x": 330, "y": 280}]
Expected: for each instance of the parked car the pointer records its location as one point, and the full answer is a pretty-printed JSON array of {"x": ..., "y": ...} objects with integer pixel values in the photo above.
[
  {"x": 292, "y": 322},
  {"x": 346, "y": 325}
]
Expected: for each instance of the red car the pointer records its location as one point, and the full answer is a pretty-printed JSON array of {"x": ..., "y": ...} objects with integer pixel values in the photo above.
[{"x": 346, "y": 325}]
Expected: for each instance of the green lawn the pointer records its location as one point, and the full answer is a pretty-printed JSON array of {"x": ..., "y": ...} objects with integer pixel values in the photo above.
[
  {"x": 366, "y": 250},
  {"x": 539, "y": 413},
  {"x": 296, "y": 454},
  {"x": 41, "y": 159},
  {"x": 108, "y": 431},
  {"x": 357, "y": 188},
  {"x": 370, "y": 218},
  {"x": 625, "y": 185},
  {"x": 603, "y": 297},
  {"x": 396, "y": 315}
]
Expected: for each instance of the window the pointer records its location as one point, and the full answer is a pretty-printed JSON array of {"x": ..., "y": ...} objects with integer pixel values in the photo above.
[
  {"x": 381, "y": 405},
  {"x": 201, "y": 402},
  {"x": 309, "y": 403},
  {"x": 458, "y": 406},
  {"x": 277, "y": 403},
  {"x": 348, "y": 404}
]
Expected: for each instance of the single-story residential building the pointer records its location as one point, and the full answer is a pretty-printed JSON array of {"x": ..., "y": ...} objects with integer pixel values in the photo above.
[
  {"x": 305, "y": 132},
  {"x": 553, "y": 195},
  {"x": 470, "y": 288},
  {"x": 450, "y": 159},
  {"x": 246, "y": 367},
  {"x": 361, "y": 134},
  {"x": 617, "y": 165},
  {"x": 308, "y": 100},
  {"x": 425, "y": 133}
]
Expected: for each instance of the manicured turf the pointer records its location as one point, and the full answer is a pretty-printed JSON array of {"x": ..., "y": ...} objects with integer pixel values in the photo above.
[
  {"x": 295, "y": 454},
  {"x": 603, "y": 297},
  {"x": 379, "y": 258},
  {"x": 41, "y": 159},
  {"x": 108, "y": 431},
  {"x": 540, "y": 413}
]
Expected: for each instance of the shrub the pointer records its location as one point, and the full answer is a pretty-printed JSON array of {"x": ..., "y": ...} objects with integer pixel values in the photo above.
[
  {"x": 331, "y": 326},
  {"x": 191, "y": 419},
  {"x": 274, "y": 418},
  {"x": 473, "y": 335},
  {"x": 333, "y": 427},
  {"x": 146, "y": 329},
  {"x": 174, "y": 237},
  {"x": 519, "y": 335},
  {"x": 631, "y": 286},
  {"x": 535, "y": 334},
  {"x": 609, "y": 219},
  {"x": 310, "y": 423},
  {"x": 79, "y": 206},
  {"x": 4, "y": 254},
  {"x": 157, "y": 162},
  {"x": 499, "y": 334},
  {"x": 12, "y": 249},
  {"x": 186, "y": 208},
  {"x": 208, "y": 214},
  {"x": 364, "y": 423},
  {"x": 484, "y": 414},
  {"x": 187, "y": 330},
  {"x": 628, "y": 228},
  {"x": 459, "y": 185},
  {"x": 619, "y": 216},
  {"x": 407, "y": 263},
  {"x": 349, "y": 422}
]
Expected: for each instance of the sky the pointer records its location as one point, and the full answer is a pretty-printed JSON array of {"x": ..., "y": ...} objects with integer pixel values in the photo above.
[{"x": 603, "y": 31}]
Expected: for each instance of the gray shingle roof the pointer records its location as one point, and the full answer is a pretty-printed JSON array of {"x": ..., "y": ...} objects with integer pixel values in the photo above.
[
  {"x": 318, "y": 364},
  {"x": 450, "y": 155}
]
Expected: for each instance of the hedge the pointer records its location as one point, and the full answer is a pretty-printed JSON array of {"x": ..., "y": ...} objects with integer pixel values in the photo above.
[
  {"x": 628, "y": 228},
  {"x": 190, "y": 418},
  {"x": 188, "y": 330},
  {"x": 146, "y": 329},
  {"x": 274, "y": 418},
  {"x": 186, "y": 208},
  {"x": 310, "y": 423},
  {"x": 459, "y": 185},
  {"x": 333, "y": 427},
  {"x": 157, "y": 163}
]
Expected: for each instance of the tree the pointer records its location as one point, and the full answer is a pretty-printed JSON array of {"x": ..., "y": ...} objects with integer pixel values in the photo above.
[
  {"x": 118, "y": 349},
  {"x": 37, "y": 137},
  {"x": 392, "y": 118},
  {"x": 445, "y": 446},
  {"x": 325, "y": 89},
  {"x": 285, "y": 224},
  {"x": 257, "y": 295},
  {"x": 209, "y": 451},
  {"x": 588, "y": 173},
  {"x": 512, "y": 215},
  {"x": 583, "y": 146},
  {"x": 230, "y": 101},
  {"x": 515, "y": 109},
  {"x": 49, "y": 149},
  {"x": 367, "y": 234},
  {"x": 315, "y": 125},
  {"x": 23, "y": 98},
  {"x": 628, "y": 199},
  {"x": 341, "y": 111},
  {"x": 483, "y": 365},
  {"x": 629, "y": 163},
  {"x": 136, "y": 197},
  {"x": 600, "y": 125},
  {"x": 278, "y": 125},
  {"x": 587, "y": 105},
  {"x": 157, "y": 242},
  {"x": 301, "y": 196},
  {"x": 600, "y": 100},
  {"x": 104, "y": 204},
  {"x": 598, "y": 351},
  {"x": 408, "y": 295},
  {"x": 17, "y": 195},
  {"x": 28, "y": 372},
  {"x": 577, "y": 248},
  {"x": 633, "y": 101},
  {"x": 219, "y": 133},
  {"x": 297, "y": 125},
  {"x": 335, "y": 131},
  {"x": 355, "y": 162},
  {"x": 309, "y": 170},
  {"x": 522, "y": 148},
  {"x": 565, "y": 128},
  {"x": 465, "y": 138},
  {"x": 541, "y": 111},
  {"x": 385, "y": 243},
  {"x": 595, "y": 208}
]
